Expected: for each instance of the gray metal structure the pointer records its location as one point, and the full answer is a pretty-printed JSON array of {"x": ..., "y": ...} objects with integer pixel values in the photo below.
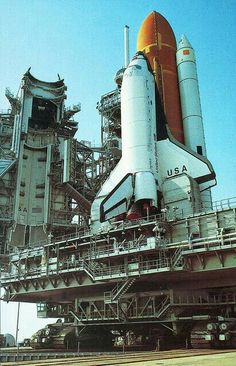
[
  {"x": 47, "y": 177},
  {"x": 168, "y": 277}
]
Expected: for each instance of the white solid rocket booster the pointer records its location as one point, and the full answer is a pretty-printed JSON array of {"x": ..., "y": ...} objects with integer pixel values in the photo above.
[
  {"x": 190, "y": 98},
  {"x": 191, "y": 105}
]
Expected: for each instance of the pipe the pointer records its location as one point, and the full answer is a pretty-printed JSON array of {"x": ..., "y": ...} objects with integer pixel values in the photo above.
[{"x": 126, "y": 45}]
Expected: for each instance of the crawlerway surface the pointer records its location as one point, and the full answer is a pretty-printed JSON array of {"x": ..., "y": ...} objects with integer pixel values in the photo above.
[{"x": 165, "y": 358}]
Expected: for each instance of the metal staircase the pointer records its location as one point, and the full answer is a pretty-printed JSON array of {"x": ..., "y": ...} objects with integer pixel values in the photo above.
[
  {"x": 5, "y": 166},
  {"x": 177, "y": 259},
  {"x": 119, "y": 290},
  {"x": 164, "y": 306},
  {"x": 90, "y": 271}
]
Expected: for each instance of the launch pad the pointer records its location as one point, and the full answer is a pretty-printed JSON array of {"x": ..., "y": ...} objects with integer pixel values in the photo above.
[{"x": 147, "y": 274}]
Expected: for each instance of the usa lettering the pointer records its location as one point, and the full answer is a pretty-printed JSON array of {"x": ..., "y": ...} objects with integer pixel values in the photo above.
[{"x": 176, "y": 171}]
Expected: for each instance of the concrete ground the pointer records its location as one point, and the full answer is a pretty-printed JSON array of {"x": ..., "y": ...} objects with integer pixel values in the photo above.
[{"x": 223, "y": 359}]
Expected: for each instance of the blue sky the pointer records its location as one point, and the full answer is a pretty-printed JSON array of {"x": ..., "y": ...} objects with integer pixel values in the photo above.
[{"x": 82, "y": 40}]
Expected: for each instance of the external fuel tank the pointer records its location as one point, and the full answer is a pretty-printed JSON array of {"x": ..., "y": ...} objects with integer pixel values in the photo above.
[{"x": 157, "y": 40}]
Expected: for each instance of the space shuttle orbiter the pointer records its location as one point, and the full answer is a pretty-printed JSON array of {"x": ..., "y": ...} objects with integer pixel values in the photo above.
[{"x": 150, "y": 155}]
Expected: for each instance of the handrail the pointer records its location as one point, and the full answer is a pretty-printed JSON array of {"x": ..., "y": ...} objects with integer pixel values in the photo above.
[
  {"x": 224, "y": 203},
  {"x": 220, "y": 241},
  {"x": 209, "y": 299},
  {"x": 207, "y": 243},
  {"x": 126, "y": 224}
]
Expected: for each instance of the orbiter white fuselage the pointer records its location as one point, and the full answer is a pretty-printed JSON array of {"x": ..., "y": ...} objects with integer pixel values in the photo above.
[{"x": 150, "y": 155}]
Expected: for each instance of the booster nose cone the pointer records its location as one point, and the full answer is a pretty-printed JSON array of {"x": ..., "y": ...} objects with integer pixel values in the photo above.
[
  {"x": 185, "y": 52},
  {"x": 184, "y": 43},
  {"x": 157, "y": 40}
]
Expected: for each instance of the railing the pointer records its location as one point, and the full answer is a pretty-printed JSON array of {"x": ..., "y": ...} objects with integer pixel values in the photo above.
[
  {"x": 209, "y": 299},
  {"x": 59, "y": 239},
  {"x": 97, "y": 272},
  {"x": 135, "y": 311},
  {"x": 118, "y": 248},
  {"x": 155, "y": 264},
  {"x": 224, "y": 204},
  {"x": 211, "y": 242},
  {"x": 123, "y": 225},
  {"x": 99, "y": 315}
]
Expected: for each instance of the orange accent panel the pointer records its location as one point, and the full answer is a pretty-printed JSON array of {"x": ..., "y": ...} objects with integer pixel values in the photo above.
[{"x": 186, "y": 52}]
